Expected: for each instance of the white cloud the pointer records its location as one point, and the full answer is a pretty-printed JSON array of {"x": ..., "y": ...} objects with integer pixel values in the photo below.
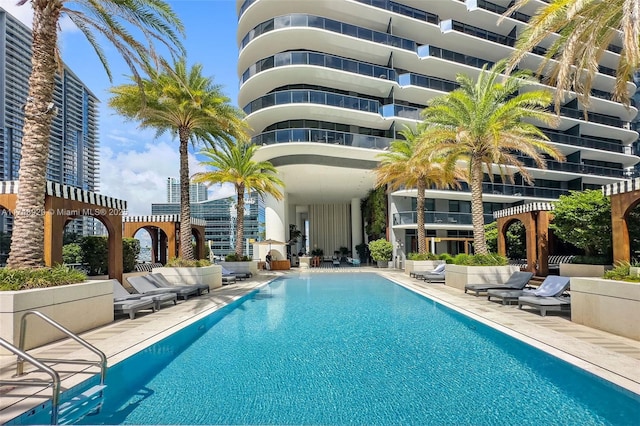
[{"x": 140, "y": 177}]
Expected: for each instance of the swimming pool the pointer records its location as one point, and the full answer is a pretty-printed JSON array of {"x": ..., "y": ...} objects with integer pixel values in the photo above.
[{"x": 351, "y": 349}]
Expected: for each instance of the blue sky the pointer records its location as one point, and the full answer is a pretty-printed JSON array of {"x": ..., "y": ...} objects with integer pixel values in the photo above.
[{"x": 134, "y": 164}]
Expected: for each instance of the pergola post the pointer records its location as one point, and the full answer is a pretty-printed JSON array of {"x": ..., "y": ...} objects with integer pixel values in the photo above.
[{"x": 625, "y": 195}]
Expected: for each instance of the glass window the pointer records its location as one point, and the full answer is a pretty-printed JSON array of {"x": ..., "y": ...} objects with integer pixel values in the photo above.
[
  {"x": 283, "y": 98},
  {"x": 365, "y": 34},
  {"x": 332, "y": 25},
  {"x": 316, "y": 59},
  {"x": 283, "y": 59},
  {"x": 454, "y": 206},
  {"x": 282, "y": 22},
  {"x": 299, "y": 135},
  {"x": 300, "y": 96},
  {"x": 299, "y": 20},
  {"x": 365, "y": 69}
]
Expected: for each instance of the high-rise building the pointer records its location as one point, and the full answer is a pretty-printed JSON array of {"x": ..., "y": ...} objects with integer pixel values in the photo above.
[
  {"x": 220, "y": 216},
  {"x": 197, "y": 191},
  {"x": 73, "y": 147},
  {"x": 327, "y": 86}
]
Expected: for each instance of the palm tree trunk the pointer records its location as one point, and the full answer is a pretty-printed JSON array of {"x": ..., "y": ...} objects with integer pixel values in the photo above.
[
  {"x": 477, "y": 211},
  {"x": 186, "y": 249},
  {"x": 240, "y": 220},
  {"x": 27, "y": 242},
  {"x": 422, "y": 242}
]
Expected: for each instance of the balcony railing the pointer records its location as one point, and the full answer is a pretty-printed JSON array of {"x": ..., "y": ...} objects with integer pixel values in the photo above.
[
  {"x": 437, "y": 218},
  {"x": 402, "y": 111},
  {"x": 314, "y": 97},
  {"x": 402, "y": 9},
  {"x": 321, "y": 136},
  {"x": 321, "y": 60},
  {"x": 583, "y": 141}
]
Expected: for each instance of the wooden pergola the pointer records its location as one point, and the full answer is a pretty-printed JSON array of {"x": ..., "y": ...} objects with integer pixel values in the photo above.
[
  {"x": 535, "y": 218},
  {"x": 625, "y": 196},
  {"x": 164, "y": 231},
  {"x": 62, "y": 204}
]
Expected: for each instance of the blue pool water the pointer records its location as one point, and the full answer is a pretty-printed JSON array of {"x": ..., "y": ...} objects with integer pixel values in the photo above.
[{"x": 352, "y": 349}]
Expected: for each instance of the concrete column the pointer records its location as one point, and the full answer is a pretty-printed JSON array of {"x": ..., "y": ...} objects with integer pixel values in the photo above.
[
  {"x": 276, "y": 227},
  {"x": 356, "y": 226}
]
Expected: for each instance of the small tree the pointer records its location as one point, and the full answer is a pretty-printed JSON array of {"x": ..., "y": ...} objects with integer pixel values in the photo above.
[
  {"x": 95, "y": 252},
  {"x": 130, "y": 253},
  {"x": 584, "y": 220},
  {"x": 516, "y": 239},
  {"x": 71, "y": 253}
]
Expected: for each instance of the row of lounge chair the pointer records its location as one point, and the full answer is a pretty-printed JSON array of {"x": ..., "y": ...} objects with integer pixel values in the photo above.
[
  {"x": 549, "y": 296},
  {"x": 153, "y": 290}
]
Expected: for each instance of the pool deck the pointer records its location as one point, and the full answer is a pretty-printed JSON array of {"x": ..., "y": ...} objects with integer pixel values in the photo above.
[{"x": 614, "y": 358}]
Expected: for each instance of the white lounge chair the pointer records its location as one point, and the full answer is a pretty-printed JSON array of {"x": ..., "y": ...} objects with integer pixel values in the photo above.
[{"x": 552, "y": 286}]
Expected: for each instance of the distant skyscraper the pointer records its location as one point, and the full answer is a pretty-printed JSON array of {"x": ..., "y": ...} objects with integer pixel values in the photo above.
[
  {"x": 73, "y": 149},
  {"x": 221, "y": 221},
  {"x": 197, "y": 191}
]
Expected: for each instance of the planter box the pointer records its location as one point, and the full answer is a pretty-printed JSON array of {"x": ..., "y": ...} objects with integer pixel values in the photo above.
[
  {"x": 420, "y": 265},
  {"x": 458, "y": 276},
  {"x": 77, "y": 307},
  {"x": 583, "y": 270},
  {"x": 246, "y": 267},
  {"x": 210, "y": 275},
  {"x": 608, "y": 305}
]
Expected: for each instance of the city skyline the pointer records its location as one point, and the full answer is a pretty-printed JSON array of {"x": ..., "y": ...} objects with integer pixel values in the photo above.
[{"x": 134, "y": 163}]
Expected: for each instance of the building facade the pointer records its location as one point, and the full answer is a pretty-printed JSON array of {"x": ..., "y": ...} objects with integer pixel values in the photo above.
[
  {"x": 197, "y": 191},
  {"x": 327, "y": 85},
  {"x": 73, "y": 146},
  {"x": 220, "y": 216}
]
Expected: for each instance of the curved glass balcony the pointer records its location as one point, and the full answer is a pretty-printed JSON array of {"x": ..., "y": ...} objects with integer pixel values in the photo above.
[
  {"x": 314, "y": 97},
  {"x": 592, "y": 117},
  {"x": 449, "y": 55},
  {"x": 429, "y": 82},
  {"x": 401, "y": 9},
  {"x": 311, "y": 21},
  {"x": 575, "y": 168},
  {"x": 321, "y": 136},
  {"x": 403, "y": 111},
  {"x": 583, "y": 141},
  {"x": 321, "y": 60},
  {"x": 437, "y": 218}
]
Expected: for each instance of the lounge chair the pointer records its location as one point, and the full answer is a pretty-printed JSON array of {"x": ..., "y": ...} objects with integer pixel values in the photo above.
[
  {"x": 353, "y": 262},
  {"x": 162, "y": 282},
  {"x": 121, "y": 294},
  {"x": 435, "y": 275},
  {"x": 147, "y": 287},
  {"x": 131, "y": 307},
  {"x": 238, "y": 275},
  {"x": 552, "y": 286},
  {"x": 517, "y": 281},
  {"x": 544, "y": 304}
]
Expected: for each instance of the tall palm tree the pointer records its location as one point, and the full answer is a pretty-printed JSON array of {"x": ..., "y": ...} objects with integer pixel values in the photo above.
[
  {"x": 586, "y": 28},
  {"x": 233, "y": 163},
  {"x": 482, "y": 123},
  {"x": 403, "y": 167},
  {"x": 113, "y": 19},
  {"x": 182, "y": 101}
]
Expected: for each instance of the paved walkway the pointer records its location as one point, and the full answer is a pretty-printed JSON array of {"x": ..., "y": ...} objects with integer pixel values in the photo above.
[{"x": 612, "y": 357}]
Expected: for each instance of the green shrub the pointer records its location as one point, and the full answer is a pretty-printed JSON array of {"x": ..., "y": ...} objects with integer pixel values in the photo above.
[
  {"x": 72, "y": 253},
  {"x": 381, "y": 249},
  {"x": 22, "y": 279},
  {"x": 446, "y": 257},
  {"x": 592, "y": 260},
  {"x": 621, "y": 272},
  {"x": 130, "y": 253},
  {"x": 95, "y": 252},
  {"x": 231, "y": 257},
  {"x": 422, "y": 256},
  {"x": 490, "y": 259},
  {"x": 178, "y": 262}
]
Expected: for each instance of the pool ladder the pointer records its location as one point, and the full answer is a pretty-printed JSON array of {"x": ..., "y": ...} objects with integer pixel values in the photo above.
[{"x": 77, "y": 406}]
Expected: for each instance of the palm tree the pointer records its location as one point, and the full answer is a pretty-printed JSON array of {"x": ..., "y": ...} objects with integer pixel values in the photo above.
[
  {"x": 233, "y": 163},
  {"x": 482, "y": 123},
  {"x": 188, "y": 105},
  {"x": 112, "y": 19},
  {"x": 586, "y": 28},
  {"x": 401, "y": 166}
]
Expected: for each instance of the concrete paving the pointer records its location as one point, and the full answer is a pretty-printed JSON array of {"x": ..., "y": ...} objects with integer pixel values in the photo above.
[{"x": 614, "y": 358}]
